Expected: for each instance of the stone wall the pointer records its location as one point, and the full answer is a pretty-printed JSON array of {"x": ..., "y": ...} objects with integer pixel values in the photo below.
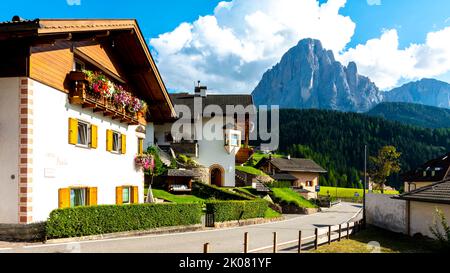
[
  {"x": 385, "y": 212},
  {"x": 22, "y": 233},
  {"x": 203, "y": 174},
  {"x": 292, "y": 209}
]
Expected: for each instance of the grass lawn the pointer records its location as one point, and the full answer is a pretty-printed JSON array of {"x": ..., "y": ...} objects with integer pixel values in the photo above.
[
  {"x": 289, "y": 195},
  {"x": 389, "y": 243},
  {"x": 250, "y": 170},
  {"x": 160, "y": 194},
  {"x": 347, "y": 193},
  {"x": 270, "y": 213}
]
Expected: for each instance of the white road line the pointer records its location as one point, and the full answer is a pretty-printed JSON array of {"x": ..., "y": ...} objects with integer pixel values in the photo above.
[
  {"x": 166, "y": 235},
  {"x": 7, "y": 248},
  {"x": 161, "y": 235}
]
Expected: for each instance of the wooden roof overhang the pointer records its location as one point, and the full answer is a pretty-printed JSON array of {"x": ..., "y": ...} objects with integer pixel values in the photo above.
[{"x": 130, "y": 48}]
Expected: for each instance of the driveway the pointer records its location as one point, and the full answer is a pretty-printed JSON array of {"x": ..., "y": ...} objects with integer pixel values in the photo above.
[{"x": 220, "y": 240}]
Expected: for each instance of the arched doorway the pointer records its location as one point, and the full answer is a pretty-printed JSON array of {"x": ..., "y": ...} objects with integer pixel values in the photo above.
[{"x": 217, "y": 175}]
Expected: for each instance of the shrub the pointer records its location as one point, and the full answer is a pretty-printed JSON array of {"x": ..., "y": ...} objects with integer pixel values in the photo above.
[
  {"x": 83, "y": 221},
  {"x": 441, "y": 229},
  {"x": 212, "y": 192},
  {"x": 237, "y": 210}
]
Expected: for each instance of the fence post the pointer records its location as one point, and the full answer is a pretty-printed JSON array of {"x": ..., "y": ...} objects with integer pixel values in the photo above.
[
  {"x": 316, "y": 242},
  {"x": 329, "y": 235},
  {"x": 246, "y": 242},
  {"x": 299, "y": 242},
  {"x": 340, "y": 232},
  {"x": 206, "y": 248},
  {"x": 348, "y": 230},
  {"x": 274, "y": 242}
]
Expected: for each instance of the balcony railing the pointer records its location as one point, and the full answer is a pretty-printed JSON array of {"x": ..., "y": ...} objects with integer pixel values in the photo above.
[{"x": 80, "y": 95}]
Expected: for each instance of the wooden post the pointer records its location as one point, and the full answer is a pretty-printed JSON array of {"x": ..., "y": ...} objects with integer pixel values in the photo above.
[
  {"x": 340, "y": 232},
  {"x": 329, "y": 235},
  {"x": 299, "y": 242},
  {"x": 206, "y": 248},
  {"x": 348, "y": 230},
  {"x": 274, "y": 242},
  {"x": 316, "y": 242},
  {"x": 246, "y": 242}
]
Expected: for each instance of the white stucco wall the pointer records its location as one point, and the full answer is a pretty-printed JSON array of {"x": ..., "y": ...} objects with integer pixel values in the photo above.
[
  {"x": 9, "y": 149},
  {"x": 384, "y": 212},
  {"x": 211, "y": 152},
  {"x": 423, "y": 215},
  {"x": 57, "y": 164}
]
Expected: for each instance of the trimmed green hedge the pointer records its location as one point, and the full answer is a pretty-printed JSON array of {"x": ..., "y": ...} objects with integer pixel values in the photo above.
[
  {"x": 83, "y": 221},
  {"x": 236, "y": 210},
  {"x": 205, "y": 191}
]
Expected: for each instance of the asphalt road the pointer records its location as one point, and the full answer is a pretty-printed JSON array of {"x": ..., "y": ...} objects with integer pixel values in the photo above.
[{"x": 221, "y": 241}]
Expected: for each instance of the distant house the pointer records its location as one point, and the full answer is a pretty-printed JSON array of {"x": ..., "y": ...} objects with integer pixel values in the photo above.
[
  {"x": 218, "y": 155},
  {"x": 302, "y": 173},
  {"x": 434, "y": 171},
  {"x": 421, "y": 205}
]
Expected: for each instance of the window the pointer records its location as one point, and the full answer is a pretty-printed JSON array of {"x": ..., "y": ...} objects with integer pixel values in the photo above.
[
  {"x": 78, "y": 65},
  {"x": 309, "y": 183},
  {"x": 126, "y": 195},
  {"x": 83, "y": 134},
  {"x": 78, "y": 197},
  {"x": 234, "y": 140},
  {"x": 117, "y": 142},
  {"x": 140, "y": 146},
  {"x": 168, "y": 137}
]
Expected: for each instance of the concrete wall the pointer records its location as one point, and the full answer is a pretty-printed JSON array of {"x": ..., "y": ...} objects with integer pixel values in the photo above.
[
  {"x": 9, "y": 150},
  {"x": 57, "y": 164},
  {"x": 422, "y": 217},
  {"x": 387, "y": 213}
]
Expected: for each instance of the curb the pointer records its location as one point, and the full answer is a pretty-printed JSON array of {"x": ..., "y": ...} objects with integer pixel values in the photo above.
[
  {"x": 157, "y": 231},
  {"x": 248, "y": 222}
]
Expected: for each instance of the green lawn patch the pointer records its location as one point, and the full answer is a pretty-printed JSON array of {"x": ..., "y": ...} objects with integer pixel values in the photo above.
[
  {"x": 250, "y": 170},
  {"x": 270, "y": 214},
  {"x": 347, "y": 193},
  {"x": 179, "y": 199},
  {"x": 258, "y": 156},
  {"x": 389, "y": 243},
  {"x": 287, "y": 195}
]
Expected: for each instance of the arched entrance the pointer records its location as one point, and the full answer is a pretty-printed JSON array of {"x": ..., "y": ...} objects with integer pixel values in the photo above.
[{"x": 217, "y": 175}]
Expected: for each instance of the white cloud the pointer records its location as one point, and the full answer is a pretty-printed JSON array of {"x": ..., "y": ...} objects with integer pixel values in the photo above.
[
  {"x": 231, "y": 49},
  {"x": 374, "y": 2},
  {"x": 386, "y": 64}
]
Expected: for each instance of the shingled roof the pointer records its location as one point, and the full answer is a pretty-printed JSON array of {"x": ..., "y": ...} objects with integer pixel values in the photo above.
[
  {"x": 297, "y": 165},
  {"x": 220, "y": 100},
  {"x": 433, "y": 171},
  {"x": 436, "y": 193},
  {"x": 284, "y": 177}
]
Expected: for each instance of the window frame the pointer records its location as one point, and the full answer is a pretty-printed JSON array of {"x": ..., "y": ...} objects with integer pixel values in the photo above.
[
  {"x": 76, "y": 62},
  {"x": 85, "y": 193},
  {"x": 130, "y": 192},
  {"x": 119, "y": 142},
  {"x": 88, "y": 125}
]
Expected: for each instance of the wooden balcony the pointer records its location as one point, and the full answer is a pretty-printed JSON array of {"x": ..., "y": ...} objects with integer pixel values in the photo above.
[
  {"x": 244, "y": 155},
  {"x": 80, "y": 95}
]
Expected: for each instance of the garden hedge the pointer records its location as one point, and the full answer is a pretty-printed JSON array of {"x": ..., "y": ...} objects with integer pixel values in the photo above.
[
  {"x": 236, "y": 210},
  {"x": 213, "y": 192},
  {"x": 83, "y": 221}
]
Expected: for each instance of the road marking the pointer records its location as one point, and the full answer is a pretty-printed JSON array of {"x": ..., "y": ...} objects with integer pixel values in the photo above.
[
  {"x": 7, "y": 248},
  {"x": 161, "y": 235},
  {"x": 169, "y": 234}
]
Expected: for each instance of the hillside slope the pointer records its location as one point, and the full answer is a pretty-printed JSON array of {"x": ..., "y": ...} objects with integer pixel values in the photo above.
[{"x": 413, "y": 114}]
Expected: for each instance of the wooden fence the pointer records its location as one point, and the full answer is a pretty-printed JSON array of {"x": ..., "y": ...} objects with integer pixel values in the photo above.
[{"x": 322, "y": 236}]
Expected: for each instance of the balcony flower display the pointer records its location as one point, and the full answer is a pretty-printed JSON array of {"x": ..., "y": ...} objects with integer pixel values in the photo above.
[{"x": 101, "y": 86}]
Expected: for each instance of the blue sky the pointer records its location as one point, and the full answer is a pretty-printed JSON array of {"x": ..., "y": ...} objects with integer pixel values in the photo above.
[{"x": 411, "y": 19}]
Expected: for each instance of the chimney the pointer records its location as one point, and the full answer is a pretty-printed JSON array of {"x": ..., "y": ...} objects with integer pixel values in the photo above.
[{"x": 200, "y": 91}]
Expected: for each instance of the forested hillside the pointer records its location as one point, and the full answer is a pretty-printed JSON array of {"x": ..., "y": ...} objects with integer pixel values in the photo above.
[
  {"x": 336, "y": 140},
  {"x": 414, "y": 114}
]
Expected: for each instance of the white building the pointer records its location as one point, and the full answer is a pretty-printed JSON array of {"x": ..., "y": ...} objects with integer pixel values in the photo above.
[
  {"x": 60, "y": 146},
  {"x": 217, "y": 141}
]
